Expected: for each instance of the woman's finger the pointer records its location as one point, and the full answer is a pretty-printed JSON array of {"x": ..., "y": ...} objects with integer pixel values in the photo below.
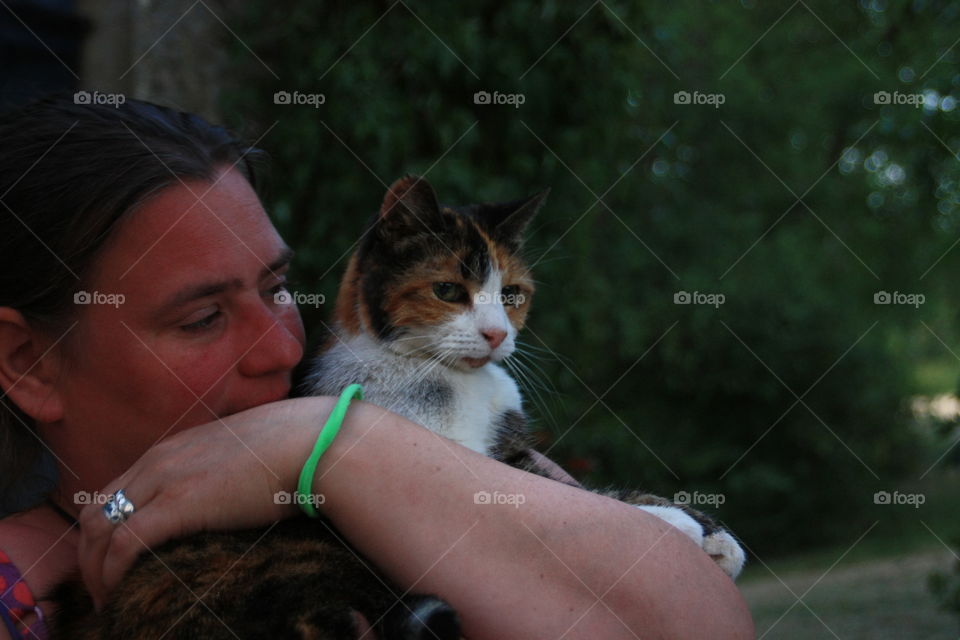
[{"x": 97, "y": 533}]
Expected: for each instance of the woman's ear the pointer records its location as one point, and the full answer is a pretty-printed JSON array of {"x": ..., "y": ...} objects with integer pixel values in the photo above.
[{"x": 29, "y": 367}]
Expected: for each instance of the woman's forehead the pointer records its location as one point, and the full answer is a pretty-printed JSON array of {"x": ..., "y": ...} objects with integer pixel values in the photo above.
[{"x": 190, "y": 226}]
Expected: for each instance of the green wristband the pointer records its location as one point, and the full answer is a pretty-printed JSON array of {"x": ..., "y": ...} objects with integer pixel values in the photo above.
[{"x": 327, "y": 434}]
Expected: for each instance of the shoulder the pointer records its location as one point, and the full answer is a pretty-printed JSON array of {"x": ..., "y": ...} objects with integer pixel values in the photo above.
[{"x": 42, "y": 549}]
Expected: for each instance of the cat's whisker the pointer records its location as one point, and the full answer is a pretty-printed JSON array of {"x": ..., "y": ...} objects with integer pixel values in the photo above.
[
  {"x": 427, "y": 370},
  {"x": 533, "y": 360},
  {"x": 546, "y": 354},
  {"x": 531, "y": 380},
  {"x": 431, "y": 364},
  {"x": 533, "y": 347},
  {"x": 529, "y": 354},
  {"x": 532, "y": 363},
  {"x": 406, "y": 338},
  {"x": 530, "y": 391},
  {"x": 524, "y": 378},
  {"x": 418, "y": 350},
  {"x": 426, "y": 363},
  {"x": 543, "y": 380},
  {"x": 536, "y": 378}
]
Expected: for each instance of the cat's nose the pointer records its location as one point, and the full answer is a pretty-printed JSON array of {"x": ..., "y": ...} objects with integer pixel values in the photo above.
[{"x": 493, "y": 336}]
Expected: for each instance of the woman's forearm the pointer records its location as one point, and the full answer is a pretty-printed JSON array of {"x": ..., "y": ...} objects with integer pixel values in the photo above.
[{"x": 519, "y": 556}]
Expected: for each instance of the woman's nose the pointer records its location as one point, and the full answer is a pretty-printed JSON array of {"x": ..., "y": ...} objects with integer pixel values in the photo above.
[{"x": 273, "y": 344}]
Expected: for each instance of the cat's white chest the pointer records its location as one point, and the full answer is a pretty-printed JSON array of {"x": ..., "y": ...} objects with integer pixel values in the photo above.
[{"x": 480, "y": 398}]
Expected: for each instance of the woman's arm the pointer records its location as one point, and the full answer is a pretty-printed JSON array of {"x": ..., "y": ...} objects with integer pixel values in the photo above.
[
  {"x": 548, "y": 561},
  {"x": 563, "y": 561}
]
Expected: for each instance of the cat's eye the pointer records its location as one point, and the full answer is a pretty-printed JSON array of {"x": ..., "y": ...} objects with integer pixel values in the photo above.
[
  {"x": 512, "y": 296},
  {"x": 450, "y": 291}
]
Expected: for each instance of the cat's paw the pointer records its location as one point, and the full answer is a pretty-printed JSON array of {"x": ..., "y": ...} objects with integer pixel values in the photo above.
[
  {"x": 678, "y": 518},
  {"x": 725, "y": 551},
  {"x": 719, "y": 545}
]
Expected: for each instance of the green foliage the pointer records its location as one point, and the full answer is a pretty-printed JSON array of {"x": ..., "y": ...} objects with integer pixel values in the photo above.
[{"x": 789, "y": 398}]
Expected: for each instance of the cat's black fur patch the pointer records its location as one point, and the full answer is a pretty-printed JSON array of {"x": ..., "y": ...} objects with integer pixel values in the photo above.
[{"x": 512, "y": 437}]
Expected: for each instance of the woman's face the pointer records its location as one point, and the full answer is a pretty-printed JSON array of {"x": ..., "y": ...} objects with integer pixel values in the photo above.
[{"x": 182, "y": 325}]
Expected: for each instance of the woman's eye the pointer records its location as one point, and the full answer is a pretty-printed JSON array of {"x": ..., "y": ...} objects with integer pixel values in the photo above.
[
  {"x": 202, "y": 324},
  {"x": 450, "y": 291}
]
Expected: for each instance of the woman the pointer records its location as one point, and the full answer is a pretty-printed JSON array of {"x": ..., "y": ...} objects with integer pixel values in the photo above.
[{"x": 141, "y": 348}]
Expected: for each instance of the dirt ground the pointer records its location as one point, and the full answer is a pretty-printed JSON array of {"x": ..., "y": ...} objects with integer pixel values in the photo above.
[{"x": 876, "y": 600}]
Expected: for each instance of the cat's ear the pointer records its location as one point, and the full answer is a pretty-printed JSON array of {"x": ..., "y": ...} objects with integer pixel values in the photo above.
[
  {"x": 410, "y": 203},
  {"x": 510, "y": 220}
]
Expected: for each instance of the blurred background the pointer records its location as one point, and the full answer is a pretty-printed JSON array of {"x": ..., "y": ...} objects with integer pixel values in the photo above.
[{"x": 746, "y": 267}]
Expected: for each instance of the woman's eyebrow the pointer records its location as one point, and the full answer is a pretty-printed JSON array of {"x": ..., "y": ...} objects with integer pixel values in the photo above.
[{"x": 205, "y": 289}]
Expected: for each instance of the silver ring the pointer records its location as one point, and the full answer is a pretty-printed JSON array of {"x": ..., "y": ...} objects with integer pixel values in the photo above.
[{"x": 118, "y": 508}]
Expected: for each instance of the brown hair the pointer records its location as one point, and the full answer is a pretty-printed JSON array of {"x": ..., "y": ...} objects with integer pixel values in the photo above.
[{"x": 69, "y": 170}]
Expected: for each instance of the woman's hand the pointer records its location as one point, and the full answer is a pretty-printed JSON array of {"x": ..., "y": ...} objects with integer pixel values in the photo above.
[{"x": 217, "y": 476}]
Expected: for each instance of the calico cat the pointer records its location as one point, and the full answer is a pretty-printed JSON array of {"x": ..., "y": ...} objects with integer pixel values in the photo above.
[
  {"x": 298, "y": 580},
  {"x": 431, "y": 301}
]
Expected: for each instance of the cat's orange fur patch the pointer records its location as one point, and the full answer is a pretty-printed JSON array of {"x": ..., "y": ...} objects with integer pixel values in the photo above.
[
  {"x": 413, "y": 301},
  {"x": 348, "y": 304}
]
